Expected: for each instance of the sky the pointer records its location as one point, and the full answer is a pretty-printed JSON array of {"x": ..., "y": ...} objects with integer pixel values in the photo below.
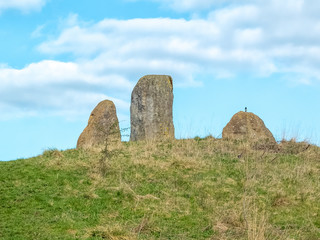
[{"x": 59, "y": 59}]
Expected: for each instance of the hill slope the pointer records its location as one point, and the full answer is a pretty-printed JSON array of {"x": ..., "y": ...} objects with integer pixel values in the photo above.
[{"x": 182, "y": 189}]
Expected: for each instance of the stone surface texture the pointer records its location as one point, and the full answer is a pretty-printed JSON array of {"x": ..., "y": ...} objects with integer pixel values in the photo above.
[
  {"x": 246, "y": 125},
  {"x": 103, "y": 125},
  {"x": 151, "y": 108}
]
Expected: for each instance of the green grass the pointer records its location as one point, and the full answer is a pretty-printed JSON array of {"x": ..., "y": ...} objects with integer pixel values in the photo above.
[{"x": 182, "y": 189}]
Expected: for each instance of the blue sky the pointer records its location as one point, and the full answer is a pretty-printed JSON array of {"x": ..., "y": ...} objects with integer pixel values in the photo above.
[{"x": 60, "y": 58}]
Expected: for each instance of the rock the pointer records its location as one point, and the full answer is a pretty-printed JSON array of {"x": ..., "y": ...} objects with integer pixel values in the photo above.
[
  {"x": 103, "y": 125},
  {"x": 151, "y": 108},
  {"x": 246, "y": 125}
]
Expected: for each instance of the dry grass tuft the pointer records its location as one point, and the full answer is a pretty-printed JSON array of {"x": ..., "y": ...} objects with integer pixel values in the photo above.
[{"x": 109, "y": 232}]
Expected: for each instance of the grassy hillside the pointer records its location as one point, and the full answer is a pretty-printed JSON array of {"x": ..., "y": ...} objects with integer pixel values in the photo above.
[{"x": 182, "y": 189}]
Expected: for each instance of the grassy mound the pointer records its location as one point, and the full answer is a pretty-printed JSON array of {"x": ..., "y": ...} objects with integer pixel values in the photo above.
[{"x": 182, "y": 189}]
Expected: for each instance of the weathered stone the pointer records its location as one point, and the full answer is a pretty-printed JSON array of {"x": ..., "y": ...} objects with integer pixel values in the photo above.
[
  {"x": 246, "y": 125},
  {"x": 103, "y": 125},
  {"x": 151, "y": 108}
]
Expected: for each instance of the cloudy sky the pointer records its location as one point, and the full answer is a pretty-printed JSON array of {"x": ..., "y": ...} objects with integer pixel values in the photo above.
[{"x": 60, "y": 58}]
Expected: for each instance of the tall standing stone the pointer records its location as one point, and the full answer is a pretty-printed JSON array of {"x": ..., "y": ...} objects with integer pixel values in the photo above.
[
  {"x": 151, "y": 108},
  {"x": 103, "y": 125},
  {"x": 246, "y": 125}
]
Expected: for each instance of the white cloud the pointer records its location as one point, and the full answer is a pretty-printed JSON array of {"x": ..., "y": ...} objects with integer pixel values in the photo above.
[
  {"x": 258, "y": 38},
  {"x": 54, "y": 72},
  {"x": 137, "y": 47},
  {"x": 52, "y": 87},
  {"x": 177, "y": 47},
  {"x": 219, "y": 45},
  {"x": 186, "y": 5},
  {"x": 246, "y": 37},
  {"x": 22, "y": 5},
  {"x": 194, "y": 5}
]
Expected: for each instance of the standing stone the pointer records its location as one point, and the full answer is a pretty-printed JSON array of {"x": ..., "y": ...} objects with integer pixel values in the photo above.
[
  {"x": 246, "y": 125},
  {"x": 103, "y": 125},
  {"x": 151, "y": 108}
]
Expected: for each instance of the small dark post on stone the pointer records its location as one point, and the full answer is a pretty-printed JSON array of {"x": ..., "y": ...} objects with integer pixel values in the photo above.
[{"x": 245, "y": 109}]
